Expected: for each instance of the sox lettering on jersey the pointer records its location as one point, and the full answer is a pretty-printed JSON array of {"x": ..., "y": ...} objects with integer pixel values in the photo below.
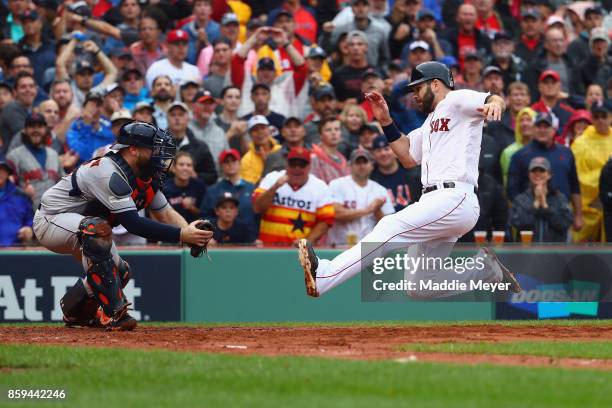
[{"x": 440, "y": 125}]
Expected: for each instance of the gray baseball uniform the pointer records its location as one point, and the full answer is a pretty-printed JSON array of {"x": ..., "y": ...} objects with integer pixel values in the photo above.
[{"x": 57, "y": 219}]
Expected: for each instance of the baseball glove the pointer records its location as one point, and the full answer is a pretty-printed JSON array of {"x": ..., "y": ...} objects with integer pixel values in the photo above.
[{"x": 197, "y": 251}]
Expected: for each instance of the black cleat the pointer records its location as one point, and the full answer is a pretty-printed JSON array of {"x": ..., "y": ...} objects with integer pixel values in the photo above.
[
  {"x": 309, "y": 263},
  {"x": 507, "y": 276}
]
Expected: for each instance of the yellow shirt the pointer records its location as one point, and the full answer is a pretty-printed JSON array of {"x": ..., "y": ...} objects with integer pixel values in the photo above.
[{"x": 252, "y": 164}]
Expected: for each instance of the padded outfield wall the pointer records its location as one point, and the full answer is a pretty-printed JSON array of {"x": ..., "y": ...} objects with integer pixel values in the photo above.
[{"x": 238, "y": 285}]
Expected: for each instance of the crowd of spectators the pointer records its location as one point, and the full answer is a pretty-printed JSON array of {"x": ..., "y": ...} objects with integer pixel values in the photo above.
[{"x": 265, "y": 100}]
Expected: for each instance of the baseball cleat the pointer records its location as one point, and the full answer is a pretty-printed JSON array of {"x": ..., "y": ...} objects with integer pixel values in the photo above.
[
  {"x": 121, "y": 322},
  {"x": 309, "y": 263},
  {"x": 507, "y": 276}
]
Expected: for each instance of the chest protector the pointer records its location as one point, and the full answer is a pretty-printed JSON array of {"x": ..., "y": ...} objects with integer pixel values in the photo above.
[{"x": 143, "y": 191}]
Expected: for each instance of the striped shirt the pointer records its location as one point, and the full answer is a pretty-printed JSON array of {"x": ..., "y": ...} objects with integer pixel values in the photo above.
[{"x": 293, "y": 214}]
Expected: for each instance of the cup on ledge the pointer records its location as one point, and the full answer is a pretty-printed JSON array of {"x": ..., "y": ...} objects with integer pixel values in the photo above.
[
  {"x": 480, "y": 237},
  {"x": 351, "y": 238},
  {"x": 526, "y": 237},
  {"x": 498, "y": 237}
]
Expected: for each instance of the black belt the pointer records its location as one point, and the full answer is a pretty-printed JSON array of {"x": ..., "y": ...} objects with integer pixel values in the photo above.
[{"x": 446, "y": 184}]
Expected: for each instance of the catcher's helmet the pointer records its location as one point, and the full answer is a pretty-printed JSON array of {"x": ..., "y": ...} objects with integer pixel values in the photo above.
[
  {"x": 161, "y": 142},
  {"x": 428, "y": 71}
]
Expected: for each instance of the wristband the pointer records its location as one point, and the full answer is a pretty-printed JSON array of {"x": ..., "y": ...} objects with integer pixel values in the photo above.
[{"x": 392, "y": 133}]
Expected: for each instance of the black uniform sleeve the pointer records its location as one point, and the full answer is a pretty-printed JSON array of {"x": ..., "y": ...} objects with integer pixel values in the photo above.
[{"x": 147, "y": 228}]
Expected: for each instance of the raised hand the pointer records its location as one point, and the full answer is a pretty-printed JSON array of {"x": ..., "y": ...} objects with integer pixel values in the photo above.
[{"x": 379, "y": 108}]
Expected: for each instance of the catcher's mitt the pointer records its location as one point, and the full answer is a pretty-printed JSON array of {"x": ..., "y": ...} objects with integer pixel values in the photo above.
[{"x": 197, "y": 251}]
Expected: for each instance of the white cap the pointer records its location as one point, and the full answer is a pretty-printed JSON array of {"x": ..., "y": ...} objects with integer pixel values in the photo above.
[
  {"x": 121, "y": 114},
  {"x": 257, "y": 120},
  {"x": 419, "y": 44}
]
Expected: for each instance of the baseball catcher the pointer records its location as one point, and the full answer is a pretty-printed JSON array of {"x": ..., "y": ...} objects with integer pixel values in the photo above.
[{"x": 76, "y": 217}]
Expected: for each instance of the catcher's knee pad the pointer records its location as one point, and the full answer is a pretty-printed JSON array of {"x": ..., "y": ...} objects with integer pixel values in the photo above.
[
  {"x": 125, "y": 272},
  {"x": 102, "y": 275},
  {"x": 79, "y": 309}
]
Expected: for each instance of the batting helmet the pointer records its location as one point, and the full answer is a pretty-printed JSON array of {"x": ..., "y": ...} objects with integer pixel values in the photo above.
[{"x": 428, "y": 71}]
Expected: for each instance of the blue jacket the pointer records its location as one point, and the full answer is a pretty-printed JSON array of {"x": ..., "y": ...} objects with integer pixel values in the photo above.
[
  {"x": 243, "y": 190},
  {"x": 212, "y": 32},
  {"x": 563, "y": 169},
  {"x": 407, "y": 119},
  {"x": 15, "y": 212},
  {"x": 84, "y": 140}
]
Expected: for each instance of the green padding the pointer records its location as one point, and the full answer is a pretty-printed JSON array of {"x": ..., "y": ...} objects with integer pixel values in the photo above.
[{"x": 257, "y": 285}]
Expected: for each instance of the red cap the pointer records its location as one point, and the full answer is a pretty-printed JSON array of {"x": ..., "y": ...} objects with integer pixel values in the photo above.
[
  {"x": 177, "y": 36},
  {"x": 203, "y": 97},
  {"x": 229, "y": 152},
  {"x": 299, "y": 153},
  {"x": 550, "y": 73}
]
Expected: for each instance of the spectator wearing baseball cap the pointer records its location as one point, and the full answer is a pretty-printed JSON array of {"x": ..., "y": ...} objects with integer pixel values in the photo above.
[
  {"x": 284, "y": 96},
  {"x": 184, "y": 192},
  {"x": 578, "y": 49},
  {"x": 232, "y": 183},
  {"x": 493, "y": 80},
  {"x": 132, "y": 83},
  {"x": 318, "y": 67},
  {"x": 261, "y": 146},
  {"x": 305, "y": 22},
  {"x": 418, "y": 52},
  {"x": 118, "y": 119},
  {"x": 15, "y": 210},
  {"x": 174, "y": 65},
  {"x": 6, "y": 94},
  {"x": 203, "y": 160},
  {"x": 359, "y": 203},
  {"x": 596, "y": 68},
  {"x": 293, "y": 135},
  {"x": 229, "y": 30},
  {"x": 82, "y": 81},
  {"x": 377, "y": 34},
  {"x": 293, "y": 203},
  {"x": 324, "y": 103},
  {"x": 402, "y": 185},
  {"x": 503, "y": 57},
  {"x": 346, "y": 78},
  {"x": 39, "y": 48},
  {"x": 203, "y": 126},
  {"x": 228, "y": 229},
  {"x": 591, "y": 151},
  {"x": 551, "y": 99},
  {"x": 113, "y": 99},
  {"x": 261, "y": 97},
  {"x": 35, "y": 165},
  {"x": 91, "y": 130},
  {"x": 530, "y": 42},
  {"x": 541, "y": 208},
  {"x": 561, "y": 158},
  {"x": 471, "y": 75},
  {"x": 143, "y": 112}
]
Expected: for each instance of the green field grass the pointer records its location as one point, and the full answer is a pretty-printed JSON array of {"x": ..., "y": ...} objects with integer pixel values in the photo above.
[
  {"x": 558, "y": 349},
  {"x": 95, "y": 377}
]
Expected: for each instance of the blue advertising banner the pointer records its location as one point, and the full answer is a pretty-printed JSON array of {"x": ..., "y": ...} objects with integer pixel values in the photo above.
[{"x": 31, "y": 286}]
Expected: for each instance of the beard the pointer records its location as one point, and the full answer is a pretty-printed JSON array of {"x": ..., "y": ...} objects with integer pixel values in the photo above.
[
  {"x": 145, "y": 168},
  {"x": 162, "y": 96},
  {"x": 428, "y": 100}
]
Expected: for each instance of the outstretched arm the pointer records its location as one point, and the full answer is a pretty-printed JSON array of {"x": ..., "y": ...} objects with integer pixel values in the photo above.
[
  {"x": 493, "y": 108},
  {"x": 401, "y": 145}
]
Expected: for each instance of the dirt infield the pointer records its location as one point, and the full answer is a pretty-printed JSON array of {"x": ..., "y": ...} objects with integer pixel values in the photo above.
[{"x": 363, "y": 343}]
